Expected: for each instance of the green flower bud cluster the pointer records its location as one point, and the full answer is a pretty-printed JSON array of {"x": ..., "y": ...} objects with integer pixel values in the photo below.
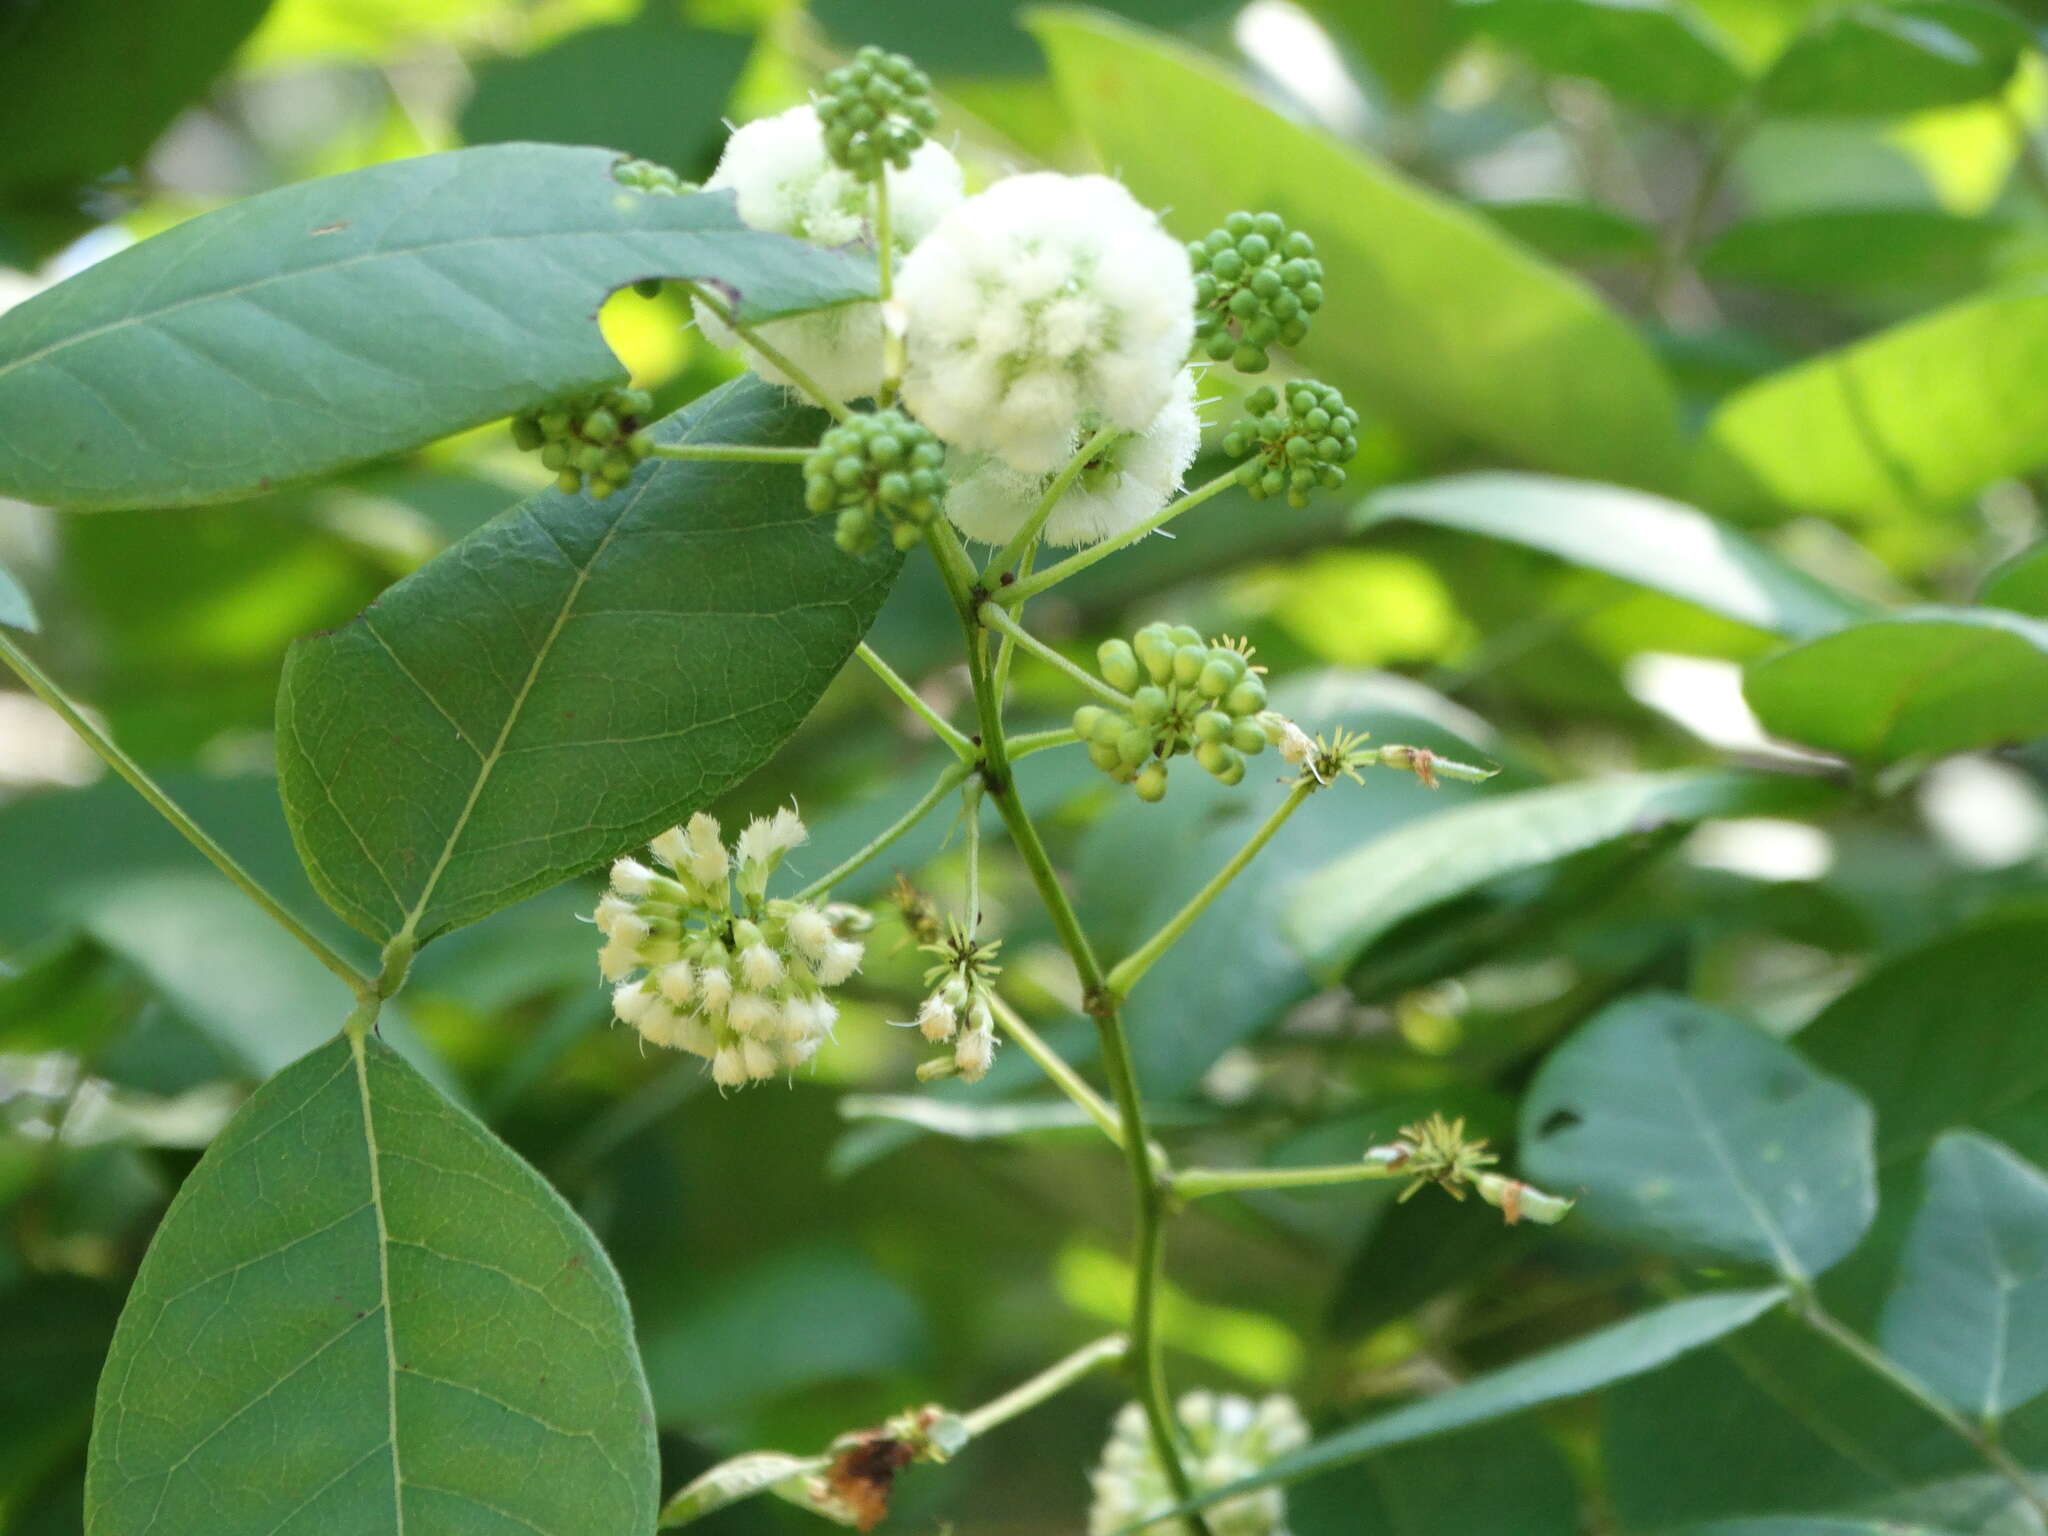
[
  {"x": 1297, "y": 438},
  {"x": 957, "y": 1011},
  {"x": 877, "y": 467},
  {"x": 593, "y": 439},
  {"x": 649, "y": 177},
  {"x": 876, "y": 111},
  {"x": 1256, "y": 283},
  {"x": 1186, "y": 696}
]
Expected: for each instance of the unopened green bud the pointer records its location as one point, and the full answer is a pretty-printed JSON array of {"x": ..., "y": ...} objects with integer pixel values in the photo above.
[
  {"x": 1151, "y": 782},
  {"x": 1118, "y": 665}
]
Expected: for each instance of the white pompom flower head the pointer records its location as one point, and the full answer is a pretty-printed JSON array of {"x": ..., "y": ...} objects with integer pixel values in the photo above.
[
  {"x": 787, "y": 184},
  {"x": 1036, "y": 305},
  {"x": 1132, "y": 478}
]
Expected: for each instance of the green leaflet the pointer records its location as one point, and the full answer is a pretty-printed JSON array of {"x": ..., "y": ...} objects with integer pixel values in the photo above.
[
  {"x": 1698, "y": 1134},
  {"x": 364, "y": 314},
  {"x": 568, "y": 680},
  {"x": 363, "y": 1314}
]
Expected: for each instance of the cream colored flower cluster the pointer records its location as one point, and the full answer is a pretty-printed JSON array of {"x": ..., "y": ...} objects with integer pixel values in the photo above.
[
  {"x": 703, "y": 961},
  {"x": 1231, "y": 1437}
]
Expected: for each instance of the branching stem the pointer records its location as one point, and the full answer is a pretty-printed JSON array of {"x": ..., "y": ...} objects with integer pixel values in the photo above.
[
  {"x": 752, "y": 338},
  {"x": 1053, "y": 575},
  {"x": 954, "y": 775},
  {"x": 1012, "y": 554},
  {"x": 1001, "y": 621},
  {"x": 962, "y": 747}
]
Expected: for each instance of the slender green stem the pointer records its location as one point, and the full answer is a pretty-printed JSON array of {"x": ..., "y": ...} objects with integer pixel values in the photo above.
[
  {"x": 44, "y": 687},
  {"x": 1147, "y": 1169},
  {"x": 970, "y": 807},
  {"x": 1056, "y": 1067},
  {"x": 752, "y": 338},
  {"x": 1808, "y": 1309},
  {"x": 745, "y": 453},
  {"x": 1134, "y": 965},
  {"x": 1054, "y": 1379},
  {"x": 1025, "y": 537},
  {"x": 1007, "y": 651},
  {"x": 962, "y": 747},
  {"x": 1674, "y": 254},
  {"x": 1195, "y": 1183},
  {"x": 1000, "y": 620},
  {"x": 955, "y": 774},
  {"x": 885, "y": 287},
  {"x": 1053, "y": 575},
  {"x": 1038, "y": 741}
]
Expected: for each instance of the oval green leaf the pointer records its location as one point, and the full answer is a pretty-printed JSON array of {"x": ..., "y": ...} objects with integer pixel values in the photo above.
[
  {"x": 1646, "y": 539},
  {"x": 570, "y": 679},
  {"x": 360, "y": 315},
  {"x": 1336, "y": 914},
  {"x": 1881, "y": 251},
  {"x": 2020, "y": 585},
  {"x": 364, "y": 1314},
  {"x": 1899, "y": 423},
  {"x": 1888, "y": 60},
  {"x": 1701, "y": 1135},
  {"x": 1922, "y": 680},
  {"x": 1970, "y": 1314},
  {"x": 1431, "y": 312},
  {"x": 1628, "y": 1348},
  {"x": 1572, "y": 232},
  {"x": 1659, "y": 54}
]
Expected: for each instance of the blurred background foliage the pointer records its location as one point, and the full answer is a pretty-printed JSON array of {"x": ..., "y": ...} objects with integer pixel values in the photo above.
[{"x": 1785, "y": 260}]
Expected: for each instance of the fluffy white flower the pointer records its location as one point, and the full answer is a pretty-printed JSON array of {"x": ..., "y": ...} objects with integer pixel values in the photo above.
[
  {"x": 760, "y": 1058},
  {"x": 749, "y": 1013},
  {"x": 610, "y": 909},
  {"x": 729, "y": 1067},
  {"x": 715, "y": 988},
  {"x": 1040, "y": 301},
  {"x": 787, "y": 185},
  {"x": 975, "y": 1053},
  {"x": 936, "y": 1020},
  {"x": 841, "y": 959},
  {"x": 1231, "y": 1436},
  {"x": 632, "y": 878},
  {"x": 811, "y": 932},
  {"x": 761, "y": 967},
  {"x": 1133, "y": 478},
  {"x": 633, "y": 1003},
  {"x": 678, "y": 982},
  {"x": 704, "y": 851}
]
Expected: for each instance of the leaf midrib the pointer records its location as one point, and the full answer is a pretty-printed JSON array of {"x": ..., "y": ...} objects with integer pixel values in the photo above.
[
  {"x": 362, "y": 1067},
  {"x": 1788, "y": 1264}
]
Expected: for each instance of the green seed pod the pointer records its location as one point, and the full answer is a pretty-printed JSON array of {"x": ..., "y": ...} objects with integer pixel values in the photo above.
[
  {"x": 568, "y": 482},
  {"x": 1247, "y": 738},
  {"x": 1133, "y": 746},
  {"x": 1104, "y": 757},
  {"x": 600, "y": 426},
  {"x": 1155, "y": 649},
  {"x": 1212, "y": 725},
  {"x": 1118, "y": 664},
  {"x": 526, "y": 434},
  {"x": 1247, "y": 698},
  {"x": 1087, "y": 718},
  {"x": 1151, "y": 783},
  {"x": 1149, "y": 705},
  {"x": 1188, "y": 662},
  {"x": 1184, "y": 634},
  {"x": 1215, "y": 679},
  {"x": 1110, "y": 729},
  {"x": 1214, "y": 756},
  {"x": 1233, "y": 772}
]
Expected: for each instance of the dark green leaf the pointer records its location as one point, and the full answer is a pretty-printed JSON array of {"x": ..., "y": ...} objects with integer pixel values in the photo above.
[
  {"x": 1499, "y": 1480},
  {"x": 1660, "y": 54},
  {"x": 1336, "y": 914},
  {"x": 1807, "y": 1525},
  {"x": 1903, "y": 422},
  {"x": 364, "y": 1314},
  {"x": 1436, "y": 315},
  {"x": 16, "y": 611},
  {"x": 1830, "y": 251},
  {"x": 316, "y": 326},
  {"x": 1888, "y": 60},
  {"x": 984, "y": 40},
  {"x": 1970, "y": 1314},
  {"x": 1698, "y": 1133},
  {"x": 1572, "y": 232},
  {"x": 1629, "y": 1348},
  {"x": 2021, "y": 584},
  {"x": 654, "y": 87},
  {"x": 1922, "y": 680},
  {"x": 1639, "y": 537},
  {"x": 85, "y": 88},
  {"x": 1404, "y": 46},
  {"x": 568, "y": 680}
]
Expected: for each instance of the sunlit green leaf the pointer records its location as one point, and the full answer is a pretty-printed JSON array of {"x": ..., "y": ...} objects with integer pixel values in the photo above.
[
  {"x": 2021, "y": 584},
  {"x": 568, "y": 680},
  {"x": 1660, "y": 54},
  {"x": 1905, "y": 421},
  {"x": 1336, "y": 914},
  {"x": 1695, "y": 1132},
  {"x": 364, "y": 1314},
  {"x": 1888, "y": 60},
  {"x": 1922, "y": 680},
  {"x": 1435, "y": 316},
  {"x": 1631, "y": 534},
  {"x": 1970, "y": 1314},
  {"x": 327, "y": 323}
]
